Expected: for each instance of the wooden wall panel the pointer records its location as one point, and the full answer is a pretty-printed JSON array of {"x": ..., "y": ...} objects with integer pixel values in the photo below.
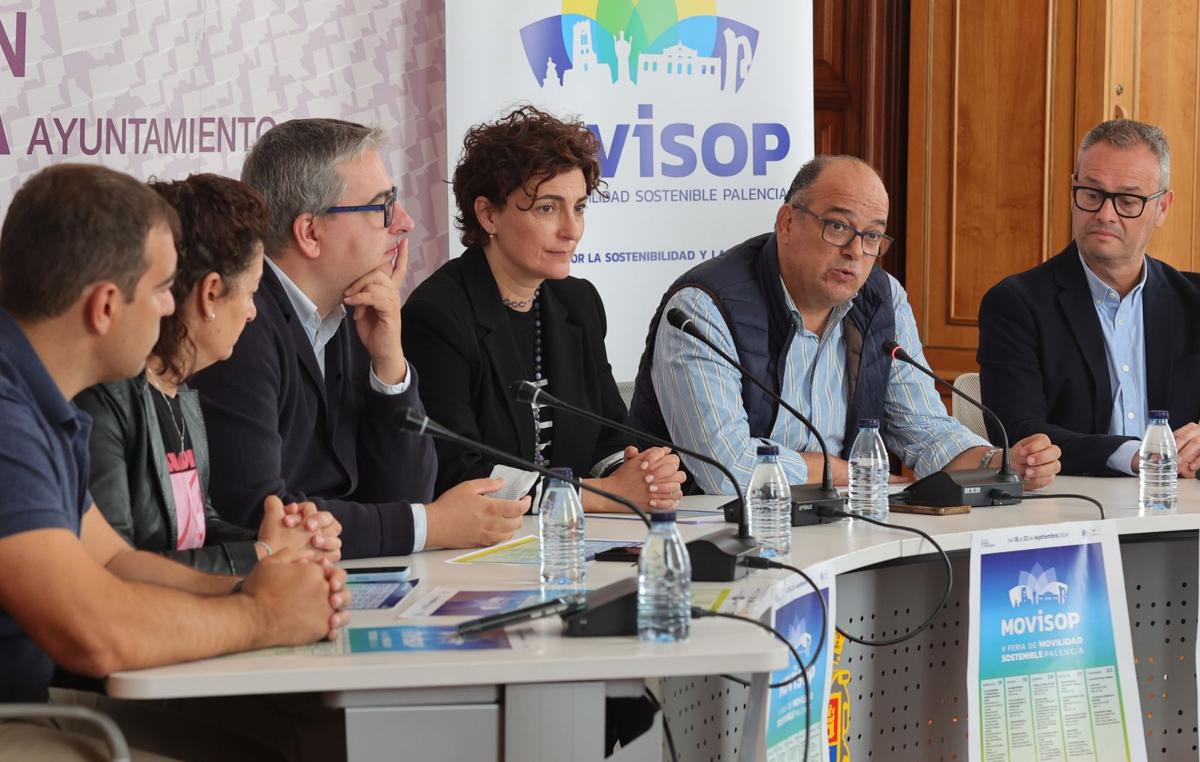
[
  {"x": 1000, "y": 96},
  {"x": 999, "y": 158},
  {"x": 860, "y": 94},
  {"x": 983, "y": 141},
  {"x": 1166, "y": 95}
]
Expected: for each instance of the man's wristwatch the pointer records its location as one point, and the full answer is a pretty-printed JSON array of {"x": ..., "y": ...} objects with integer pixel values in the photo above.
[{"x": 987, "y": 457}]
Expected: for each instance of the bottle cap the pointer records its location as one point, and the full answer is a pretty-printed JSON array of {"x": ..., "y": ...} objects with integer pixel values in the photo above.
[
  {"x": 868, "y": 423},
  {"x": 564, "y": 473},
  {"x": 768, "y": 450},
  {"x": 1159, "y": 414},
  {"x": 657, "y": 516}
]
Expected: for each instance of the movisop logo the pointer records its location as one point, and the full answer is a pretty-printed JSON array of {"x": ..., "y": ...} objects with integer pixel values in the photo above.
[{"x": 1038, "y": 587}]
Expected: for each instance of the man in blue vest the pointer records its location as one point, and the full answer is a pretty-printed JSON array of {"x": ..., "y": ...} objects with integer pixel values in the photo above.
[{"x": 806, "y": 310}]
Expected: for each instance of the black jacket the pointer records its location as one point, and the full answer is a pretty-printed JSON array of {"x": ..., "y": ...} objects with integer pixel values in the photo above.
[
  {"x": 1043, "y": 366},
  {"x": 456, "y": 330},
  {"x": 130, "y": 484},
  {"x": 276, "y": 427}
]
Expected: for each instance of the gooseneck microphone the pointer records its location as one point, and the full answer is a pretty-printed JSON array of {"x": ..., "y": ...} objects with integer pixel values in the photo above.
[
  {"x": 715, "y": 555},
  {"x": 975, "y": 487},
  {"x": 809, "y": 501},
  {"x": 419, "y": 423}
]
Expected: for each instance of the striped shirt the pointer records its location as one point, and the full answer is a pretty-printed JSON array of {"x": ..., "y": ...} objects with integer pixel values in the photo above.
[{"x": 701, "y": 396}]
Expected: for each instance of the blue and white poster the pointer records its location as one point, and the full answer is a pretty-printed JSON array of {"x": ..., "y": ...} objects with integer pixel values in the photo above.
[
  {"x": 1050, "y": 661},
  {"x": 791, "y": 711},
  {"x": 703, "y": 109}
]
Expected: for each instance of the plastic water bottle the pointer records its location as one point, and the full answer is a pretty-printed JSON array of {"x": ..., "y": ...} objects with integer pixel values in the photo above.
[
  {"x": 869, "y": 472},
  {"x": 561, "y": 529},
  {"x": 1158, "y": 475},
  {"x": 664, "y": 605},
  {"x": 769, "y": 501}
]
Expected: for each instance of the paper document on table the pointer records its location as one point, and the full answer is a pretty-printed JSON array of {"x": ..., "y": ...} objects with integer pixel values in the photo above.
[
  {"x": 527, "y": 550},
  {"x": 419, "y": 638},
  {"x": 447, "y": 601},
  {"x": 376, "y": 591},
  {"x": 709, "y": 598}
]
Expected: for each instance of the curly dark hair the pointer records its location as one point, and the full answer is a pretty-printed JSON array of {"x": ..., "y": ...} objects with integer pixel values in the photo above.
[
  {"x": 521, "y": 149},
  {"x": 223, "y": 220}
]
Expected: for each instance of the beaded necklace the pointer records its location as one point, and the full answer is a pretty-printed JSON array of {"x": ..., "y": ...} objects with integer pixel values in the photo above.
[{"x": 540, "y": 381}]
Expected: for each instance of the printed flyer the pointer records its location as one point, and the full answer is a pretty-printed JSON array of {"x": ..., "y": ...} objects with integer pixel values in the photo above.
[
  {"x": 1050, "y": 660},
  {"x": 798, "y": 617},
  {"x": 378, "y": 591}
]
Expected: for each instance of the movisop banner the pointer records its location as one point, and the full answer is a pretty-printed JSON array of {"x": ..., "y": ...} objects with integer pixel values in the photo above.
[{"x": 703, "y": 109}]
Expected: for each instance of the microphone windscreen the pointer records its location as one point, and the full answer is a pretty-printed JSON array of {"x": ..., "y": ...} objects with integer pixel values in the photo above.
[
  {"x": 676, "y": 317},
  {"x": 523, "y": 391},
  {"x": 411, "y": 420}
]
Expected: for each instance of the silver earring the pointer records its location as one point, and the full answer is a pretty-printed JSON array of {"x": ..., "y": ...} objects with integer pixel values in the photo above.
[{"x": 211, "y": 316}]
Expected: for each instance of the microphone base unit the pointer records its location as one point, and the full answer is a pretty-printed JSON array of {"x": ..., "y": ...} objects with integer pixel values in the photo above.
[
  {"x": 811, "y": 504},
  {"x": 717, "y": 555},
  {"x": 977, "y": 488},
  {"x": 608, "y": 611}
]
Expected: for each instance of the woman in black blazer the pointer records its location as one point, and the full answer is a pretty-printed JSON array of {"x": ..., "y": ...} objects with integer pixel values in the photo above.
[
  {"x": 149, "y": 450},
  {"x": 507, "y": 310}
]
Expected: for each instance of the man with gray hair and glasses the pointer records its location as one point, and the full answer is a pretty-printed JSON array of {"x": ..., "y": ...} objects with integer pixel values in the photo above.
[
  {"x": 807, "y": 311},
  {"x": 1083, "y": 345},
  {"x": 306, "y": 405}
]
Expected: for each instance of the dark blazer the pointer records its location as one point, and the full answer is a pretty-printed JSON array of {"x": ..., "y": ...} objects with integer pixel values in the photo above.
[
  {"x": 132, "y": 488},
  {"x": 456, "y": 330},
  {"x": 1043, "y": 365},
  {"x": 276, "y": 427}
]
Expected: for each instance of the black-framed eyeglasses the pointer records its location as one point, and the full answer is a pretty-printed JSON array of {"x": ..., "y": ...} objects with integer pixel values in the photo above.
[
  {"x": 388, "y": 207},
  {"x": 838, "y": 233},
  {"x": 1128, "y": 205}
]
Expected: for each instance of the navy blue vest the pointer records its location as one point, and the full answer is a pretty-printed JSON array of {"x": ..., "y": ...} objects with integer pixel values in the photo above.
[{"x": 744, "y": 283}]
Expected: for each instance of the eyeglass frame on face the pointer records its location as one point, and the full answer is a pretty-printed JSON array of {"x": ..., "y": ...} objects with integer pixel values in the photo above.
[
  {"x": 884, "y": 241},
  {"x": 1107, "y": 196},
  {"x": 388, "y": 207}
]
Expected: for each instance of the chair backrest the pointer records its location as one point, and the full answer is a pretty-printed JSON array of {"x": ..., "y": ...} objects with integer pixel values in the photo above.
[
  {"x": 966, "y": 413},
  {"x": 109, "y": 732}
]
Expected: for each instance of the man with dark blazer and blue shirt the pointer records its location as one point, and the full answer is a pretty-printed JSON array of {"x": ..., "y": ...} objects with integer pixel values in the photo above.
[
  {"x": 306, "y": 405},
  {"x": 1082, "y": 346}
]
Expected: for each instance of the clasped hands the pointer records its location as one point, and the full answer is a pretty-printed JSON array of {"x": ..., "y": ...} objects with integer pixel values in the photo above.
[
  {"x": 300, "y": 533},
  {"x": 300, "y": 525}
]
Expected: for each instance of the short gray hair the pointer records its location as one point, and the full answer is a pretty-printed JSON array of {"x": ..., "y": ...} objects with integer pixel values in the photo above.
[
  {"x": 812, "y": 169},
  {"x": 294, "y": 165},
  {"x": 1129, "y": 133}
]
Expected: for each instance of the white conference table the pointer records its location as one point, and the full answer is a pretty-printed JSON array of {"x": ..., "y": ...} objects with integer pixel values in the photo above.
[{"x": 546, "y": 701}]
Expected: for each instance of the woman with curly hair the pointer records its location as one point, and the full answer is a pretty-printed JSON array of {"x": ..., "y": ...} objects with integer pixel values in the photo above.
[
  {"x": 507, "y": 310},
  {"x": 150, "y": 466}
]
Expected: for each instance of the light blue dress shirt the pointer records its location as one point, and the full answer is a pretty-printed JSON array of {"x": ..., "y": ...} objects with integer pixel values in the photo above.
[
  {"x": 320, "y": 330},
  {"x": 701, "y": 396},
  {"x": 1125, "y": 351}
]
